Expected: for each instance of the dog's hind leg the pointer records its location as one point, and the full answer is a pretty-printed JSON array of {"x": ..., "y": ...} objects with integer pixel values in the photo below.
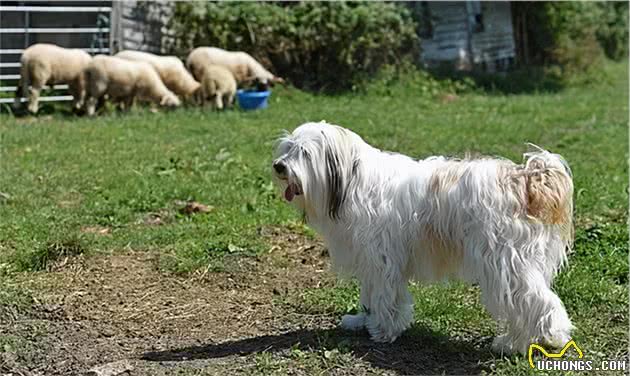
[
  {"x": 514, "y": 289},
  {"x": 538, "y": 314}
]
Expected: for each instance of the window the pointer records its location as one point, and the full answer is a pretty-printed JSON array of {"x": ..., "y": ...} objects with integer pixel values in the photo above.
[
  {"x": 425, "y": 23},
  {"x": 476, "y": 16}
]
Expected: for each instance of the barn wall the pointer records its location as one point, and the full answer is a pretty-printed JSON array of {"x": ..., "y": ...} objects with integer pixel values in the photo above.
[
  {"x": 449, "y": 42},
  {"x": 455, "y": 39},
  {"x": 140, "y": 25},
  {"x": 496, "y": 42}
]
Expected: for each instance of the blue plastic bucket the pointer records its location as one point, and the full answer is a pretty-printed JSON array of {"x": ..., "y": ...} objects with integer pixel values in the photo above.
[{"x": 252, "y": 100}]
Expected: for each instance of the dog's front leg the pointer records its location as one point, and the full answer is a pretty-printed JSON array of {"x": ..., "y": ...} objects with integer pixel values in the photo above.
[
  {"x": 387, "y": 306},
  {"x": 357, "y": 322},
  {"x": 390, "y": 309}
]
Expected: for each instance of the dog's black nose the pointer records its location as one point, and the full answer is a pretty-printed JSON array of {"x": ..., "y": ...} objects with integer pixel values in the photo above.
[{"x": 279, "y": 167}]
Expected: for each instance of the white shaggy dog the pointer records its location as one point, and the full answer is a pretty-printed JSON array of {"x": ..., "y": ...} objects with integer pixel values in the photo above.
[{"x": 388, "y": 219}]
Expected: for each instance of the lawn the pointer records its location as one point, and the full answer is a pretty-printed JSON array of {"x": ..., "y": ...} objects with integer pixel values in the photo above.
[{"x": 94, "y": 207}]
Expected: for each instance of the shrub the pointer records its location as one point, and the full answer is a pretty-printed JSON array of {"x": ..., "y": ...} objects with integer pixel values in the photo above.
[
  {"x": 325, "y": 46},
  {"x": 572, "y": 37},
  {"x": 612, "y": 30}
]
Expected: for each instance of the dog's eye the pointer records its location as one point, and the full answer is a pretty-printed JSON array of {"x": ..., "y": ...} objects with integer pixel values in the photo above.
[{"x": 304, "y": 153}]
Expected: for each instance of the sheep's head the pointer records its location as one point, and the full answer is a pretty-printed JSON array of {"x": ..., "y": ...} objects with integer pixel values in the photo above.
[
  {"x": 197, "y": 96},
  {"x": 170, "y": 100},
  {"x": 262, "y": 85},
  {"x": 265, "y": 84},
  {"x": 277, "y": 80}
]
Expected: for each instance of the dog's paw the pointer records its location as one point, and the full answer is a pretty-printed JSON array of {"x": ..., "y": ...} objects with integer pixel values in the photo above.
[
  {"x": 503, "y": 345},
  {"x": 557, "y": 340},
  {"x": 559, "y": 331},
  {"x": 353, "y": 322},
  {"x": 382, "y": 336},
  {"x": 381, "y": 333}
]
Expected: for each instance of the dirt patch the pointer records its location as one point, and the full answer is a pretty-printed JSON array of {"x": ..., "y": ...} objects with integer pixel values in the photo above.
[
  {"x": 154, "y": 219},
  {"x": 192, "y": 207},
  {"x": 97, "y": 230},
  {"x": 92, "y": 311},
  {"x": 166, "y": 215}
]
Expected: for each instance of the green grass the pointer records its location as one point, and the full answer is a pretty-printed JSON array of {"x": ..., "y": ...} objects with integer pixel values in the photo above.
[{"x": 62, "y": 174}]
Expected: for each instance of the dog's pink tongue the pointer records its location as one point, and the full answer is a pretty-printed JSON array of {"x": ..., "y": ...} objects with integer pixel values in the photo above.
[{"x": 289, "y": 193}]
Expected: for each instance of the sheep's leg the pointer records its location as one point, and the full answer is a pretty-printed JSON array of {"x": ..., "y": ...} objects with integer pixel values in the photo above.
[
  {"x": 18, "y": 95},
  {"x": 72, "y": 88},
  {"x": 33, "y": 98},
  {"x": 207, "y": 101},
  {"x": 230, "y": 100},
  {"x": 218, "y": 101},
  {"x": 119, "y": 103},
  {"x": 90, "y": 105},
  {"x": 38, "y": 77},
  {"x": 77, "y": 91},
  {"x": 95, "y": 93},
  {"x": 22, "y": 87},
  {"x": 100, "y": 103},
  {"x": 130, "y": 99},
  {"x": 126, "y": 103}
]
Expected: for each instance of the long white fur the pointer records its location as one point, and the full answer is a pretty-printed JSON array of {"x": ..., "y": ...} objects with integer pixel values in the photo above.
[{"x": 388, "y": 219}]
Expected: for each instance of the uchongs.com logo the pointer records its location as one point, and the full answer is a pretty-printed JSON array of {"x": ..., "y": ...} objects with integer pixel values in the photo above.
[{"x": 554, "y": 361}]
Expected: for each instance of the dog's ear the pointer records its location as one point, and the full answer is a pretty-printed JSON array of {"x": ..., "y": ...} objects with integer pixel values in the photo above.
[
  {"x": 336, "y": 184},
  {"x": 341, "y": 169}
]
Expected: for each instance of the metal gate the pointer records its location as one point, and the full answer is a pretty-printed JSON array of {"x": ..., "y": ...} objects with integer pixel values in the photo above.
[{"x": 84, "y": 25}]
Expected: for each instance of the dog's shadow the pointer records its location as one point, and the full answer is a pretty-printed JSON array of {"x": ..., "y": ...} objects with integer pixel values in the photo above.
[{"x": 420, "y": 351}]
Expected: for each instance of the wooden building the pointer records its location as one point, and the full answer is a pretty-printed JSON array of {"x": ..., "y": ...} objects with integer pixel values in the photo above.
[
  {"x": 140, "y": 25},
  {"x": 467, "y": 34}
]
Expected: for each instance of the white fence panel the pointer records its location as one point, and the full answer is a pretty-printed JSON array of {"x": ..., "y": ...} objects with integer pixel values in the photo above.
[{"x": 22, "y": 27}]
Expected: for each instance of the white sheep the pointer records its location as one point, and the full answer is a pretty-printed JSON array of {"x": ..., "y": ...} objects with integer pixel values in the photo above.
[
  {"x": 242, "y": 65},
  {"x": 217, "y": 85},
  {"x": 123, "y": 81},
  {"x": 47, "y": 64},
  {"x": 171, "y": 71}
]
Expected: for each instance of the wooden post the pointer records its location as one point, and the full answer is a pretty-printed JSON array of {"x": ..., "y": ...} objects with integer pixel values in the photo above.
[{"x": 116, "y": 30}]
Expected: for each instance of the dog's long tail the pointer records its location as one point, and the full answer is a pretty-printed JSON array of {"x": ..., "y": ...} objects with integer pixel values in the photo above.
[{"x": 549, "y": 186}]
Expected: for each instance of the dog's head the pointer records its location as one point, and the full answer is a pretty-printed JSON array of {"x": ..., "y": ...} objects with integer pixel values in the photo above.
[{"x": 315, "y": 167}]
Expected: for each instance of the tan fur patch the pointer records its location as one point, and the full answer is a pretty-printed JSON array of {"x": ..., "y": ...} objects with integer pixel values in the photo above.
[
  {"x": 512, "y": 182},
  {"x": 547, "y": 197},
  {"x": 544, "y": 195},
  {"x": 445, "y": 254},
  {"x": 444, "y": 179}
]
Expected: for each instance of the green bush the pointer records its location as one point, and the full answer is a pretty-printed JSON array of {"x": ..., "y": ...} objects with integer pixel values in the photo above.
[
  {"x": 573, "y": 37},
  {"x": 324, "y": 46},
  {"x": 612, "y": 29}
]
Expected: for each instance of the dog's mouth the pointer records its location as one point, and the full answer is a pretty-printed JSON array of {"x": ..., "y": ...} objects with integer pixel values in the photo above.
[{"x": 292, "y": 191}]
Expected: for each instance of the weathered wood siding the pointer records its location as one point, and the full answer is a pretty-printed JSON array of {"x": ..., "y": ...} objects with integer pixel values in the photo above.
[
  {"x": 455, "y": 39},
  {"x": 449, "y": 42},
  {"x": 496, "y": 42},
  {"x": 140, "y": 25}
]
